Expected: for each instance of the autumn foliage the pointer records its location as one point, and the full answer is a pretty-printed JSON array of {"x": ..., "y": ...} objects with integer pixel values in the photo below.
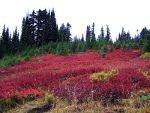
[{"x": 69, "y": 76}]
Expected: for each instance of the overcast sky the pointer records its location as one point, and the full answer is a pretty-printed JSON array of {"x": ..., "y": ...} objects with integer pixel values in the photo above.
[{"x": 130, "y": 14}]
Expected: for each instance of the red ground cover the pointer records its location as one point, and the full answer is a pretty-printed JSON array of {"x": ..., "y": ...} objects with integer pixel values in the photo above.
[{"x": 69, "y": 76}]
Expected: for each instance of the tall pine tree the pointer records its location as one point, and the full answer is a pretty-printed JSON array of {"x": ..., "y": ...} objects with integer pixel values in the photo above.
[
  {"x": 101, "y": 36},
  {"x": 6, "y": 41},
  {"x": 107, "y": 33},
  {"x": 15, "y": 41},
  {"x": 54, "y": 27}
]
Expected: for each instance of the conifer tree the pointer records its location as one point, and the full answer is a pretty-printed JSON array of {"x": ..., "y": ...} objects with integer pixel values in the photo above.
[
  {"x": 93, "y": 38},
  {"x": 68, "y": 33},
  {"x": 62, "y": 31},
  {"x": 15, "y": 41},
  {"x": 25, "y": 38},
  {"x": 82, "y": 38},
  {"x": 1, "y": 49},
  {"x": 54, "y": 27},
  {"x": 101, "y": 36},
  {"x": 107, "y": 33},
  {"x": 6, "y": 40},
  {"x": 32, "y": 27},
  {"x": 88, "y": 36}
]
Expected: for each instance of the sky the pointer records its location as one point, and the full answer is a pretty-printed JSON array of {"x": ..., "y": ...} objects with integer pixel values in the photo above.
[{"x": 130, "y": 14}]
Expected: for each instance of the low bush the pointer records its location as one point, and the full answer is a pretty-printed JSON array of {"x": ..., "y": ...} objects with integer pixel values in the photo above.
[
  {"x": 146, "y": 55},
  {"x": 104, "y": 75}
]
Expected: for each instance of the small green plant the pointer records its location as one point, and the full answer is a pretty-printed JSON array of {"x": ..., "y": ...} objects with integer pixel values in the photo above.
[
  {"x": 104, "y": 75},
  {"x": 103, "y": 51},
  {"x": 145, "y": 98},
  {"x": 146, "y": 55}
]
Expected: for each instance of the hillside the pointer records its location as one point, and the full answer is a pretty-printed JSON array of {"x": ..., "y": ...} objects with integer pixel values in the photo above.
[{"x": 81, "y": 77}]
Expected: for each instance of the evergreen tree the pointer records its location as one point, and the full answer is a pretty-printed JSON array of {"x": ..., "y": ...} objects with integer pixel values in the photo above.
[
  {"x": 62, "y": 32},
  {"x": 143, "y": 32},
  {"x": 88, "y": 36},
  {"x": 82, "y": 38},
  {"x": 68, "y": 33},
  {"x": 107, "y": 33},
  {"x": 101, "y": 36},
  {"x": 25, "y": 38},
  {"x": 54, "y": 27},
  {"x": 146, "y": 42},
  {"x": 40, "y": 28},
  {"x": 6, "y": 41},
  {"x": 47, "y": 30},
  {"x": 93, "y": 38},
  {"x": 15, "y": 41},
  {"x": 1, "y": 49},
  {"x": 32, "y": 27}
]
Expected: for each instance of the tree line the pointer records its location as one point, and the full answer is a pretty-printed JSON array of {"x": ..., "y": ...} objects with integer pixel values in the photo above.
[{"x": 40, "y": 28}]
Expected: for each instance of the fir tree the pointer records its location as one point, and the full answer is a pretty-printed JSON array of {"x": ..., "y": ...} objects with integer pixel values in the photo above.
[
  {"x": 88, "y": 36},
  {"x": 62, "y": 32},
  {"x": 107, "y": 33},
  {"x": 93, "y": 38},
  {"x": 1, "y": 49},
  {"x": 6, "y": 41},
  {"x": 54, "y": 27},
  {"x": 101, "y": 36},
  {"x": 25, "y": 39},
  {"x": 15, "y": 41},
  {"x": 32, "y": 27},
  {"x": 68, "y": 33}
]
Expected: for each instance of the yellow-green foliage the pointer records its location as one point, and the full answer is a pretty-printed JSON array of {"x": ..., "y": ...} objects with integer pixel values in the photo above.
[
  {"x": 49, "y": 98},
  {"x": 104, "y": 75},
  {"x": 146, "y": 55}
]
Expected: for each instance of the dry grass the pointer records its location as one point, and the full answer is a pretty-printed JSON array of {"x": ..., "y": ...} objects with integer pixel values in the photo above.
[{"x": 131, "y": 105}]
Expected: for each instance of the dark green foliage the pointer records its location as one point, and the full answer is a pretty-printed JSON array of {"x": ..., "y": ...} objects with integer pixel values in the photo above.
[
  {"x": 101, "y": 36},
  {"x": 6, "y": 41},
  {"x": 93, "y": 38},
  {"x": 147, "y": 43},
  {"x": 42, "y": 28},
  {"x": 15, "y": 42},
  {"x": 64, "y": 33},
  {"x": 9, "y": 104},
  {"x": 32, "y": 28},
  {"x": 124, "y": 41},
  {"x": 107, "y": 33},
  {"x": 82, "y": 38},
  {"x": 54, "y": 27},
  {"x": 39, "y": 28},
  {"x": 26, "y": 35},
  {"x": 103, "y": 51},
  {"x": 88, "y": 36},
  {"x": 74, "y": 44},
  {"x": 1, "y": 49}
]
